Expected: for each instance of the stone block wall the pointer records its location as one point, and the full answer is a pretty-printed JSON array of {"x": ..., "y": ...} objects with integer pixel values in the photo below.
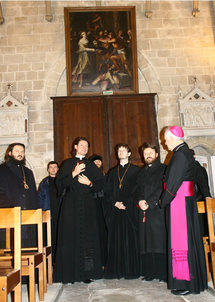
[{"x": 173, "y": 47}]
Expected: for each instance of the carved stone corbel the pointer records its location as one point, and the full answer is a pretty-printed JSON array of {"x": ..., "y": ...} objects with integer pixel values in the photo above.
[
  {"x": 1, "y": 15},
  {"x": 148, "y": 11},
  {"x": 49, "y": 16},
  {"x": 196, "y": 10}
]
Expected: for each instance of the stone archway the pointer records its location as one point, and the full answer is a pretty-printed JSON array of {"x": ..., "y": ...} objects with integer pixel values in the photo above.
[{"x": 147, "y": 77}]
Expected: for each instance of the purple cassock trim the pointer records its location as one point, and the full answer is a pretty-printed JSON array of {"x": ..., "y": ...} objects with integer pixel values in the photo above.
[{"x": 179, "y": 237}]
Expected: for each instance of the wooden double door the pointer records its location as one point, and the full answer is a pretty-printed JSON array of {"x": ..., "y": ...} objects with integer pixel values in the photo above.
[{"x": 105, "y": 121}]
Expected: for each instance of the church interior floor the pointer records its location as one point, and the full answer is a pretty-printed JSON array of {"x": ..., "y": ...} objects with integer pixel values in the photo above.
[{"x": 117, "y": 291}]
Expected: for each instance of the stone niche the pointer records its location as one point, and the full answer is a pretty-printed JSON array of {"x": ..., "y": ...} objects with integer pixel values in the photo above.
[
  {"x": 197, "y": 118},
  {"x": 14, "y": 120},
  {"x": 197, "y": 113}
]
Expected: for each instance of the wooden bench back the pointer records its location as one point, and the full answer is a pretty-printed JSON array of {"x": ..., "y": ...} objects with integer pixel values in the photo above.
[
  {"x": 11, "y": 218},
  {"x": 210, "y": 203},
  {"x": 201, "y": 207},
  {"x": 47, "y": 220},
  {"x": 34, "y": 217}
]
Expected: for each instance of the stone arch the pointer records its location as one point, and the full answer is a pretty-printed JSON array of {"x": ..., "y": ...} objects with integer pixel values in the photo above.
[
  {"x": 204, "y": 145},
  {"x": 55, "y": 77},
  {"x": 202, "y": 149},
  {"x": 147, "y": 77}
]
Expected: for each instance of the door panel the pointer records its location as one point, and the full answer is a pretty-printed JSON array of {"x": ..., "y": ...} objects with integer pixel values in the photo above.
[
  {"x": 75, "y": 117},
  {"x": 106, "y": 121},
  {"x": 132, "y": 120}
]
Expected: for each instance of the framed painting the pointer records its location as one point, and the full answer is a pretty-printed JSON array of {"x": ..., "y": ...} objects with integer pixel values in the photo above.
[{"x": 101, "y": 51}]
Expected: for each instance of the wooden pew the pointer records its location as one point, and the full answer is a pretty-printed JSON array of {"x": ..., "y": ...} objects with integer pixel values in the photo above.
[
  {"x": 32, "y": 258},
  {"x": 210, "y": 205},
  {"x": 10, "y": 278},
  {"x": 202, "y": 210}
]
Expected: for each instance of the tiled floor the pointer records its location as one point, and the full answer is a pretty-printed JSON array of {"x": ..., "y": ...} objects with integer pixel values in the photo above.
[{"x": 126, "y": 291}]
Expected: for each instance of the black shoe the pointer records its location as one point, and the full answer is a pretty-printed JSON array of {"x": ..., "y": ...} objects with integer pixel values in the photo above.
[
  {"x": 147, "y": 278},
  {"x": 180, "y": 292},
  {"x": 88, "y": 281},
  {"x": 162, "y": 280}
]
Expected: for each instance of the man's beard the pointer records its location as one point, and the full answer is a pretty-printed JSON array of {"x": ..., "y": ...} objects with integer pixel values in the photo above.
[
  {"x": 17, "y": 162},
  {"x": 150, "y": 161}
]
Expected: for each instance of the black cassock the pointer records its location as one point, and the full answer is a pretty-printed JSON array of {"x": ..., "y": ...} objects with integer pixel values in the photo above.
[
  {"x": 100, "y": 206},
  {"x": 122, "y": 224},
  {"x": 186, "y": 262},
  {"x": 202, "y": 191},
  {"x": 13, "y": 194},
  {"x": 152, "y": 228},
  {"x": 78, "y": 255},
  {"x": 12, "y": 191},
  {"x": 201, "y": 182}
]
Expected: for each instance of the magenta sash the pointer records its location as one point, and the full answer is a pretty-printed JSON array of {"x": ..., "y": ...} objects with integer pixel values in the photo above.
[{"x": 179, "y": 237}]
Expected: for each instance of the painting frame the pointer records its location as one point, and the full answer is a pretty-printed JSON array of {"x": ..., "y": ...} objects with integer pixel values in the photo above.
[{"x": 101, "y": 50}]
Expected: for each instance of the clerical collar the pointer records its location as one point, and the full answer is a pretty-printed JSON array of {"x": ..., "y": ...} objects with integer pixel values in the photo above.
[
  {"x": 153, "y": 163},
  {"x": 123, "y": 165},
  {"x": 178, "y": 147},
  {"x": 79, "y": 157}
]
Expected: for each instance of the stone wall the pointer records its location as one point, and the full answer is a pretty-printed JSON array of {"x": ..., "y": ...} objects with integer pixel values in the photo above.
[{"x": 173, "y": 47}]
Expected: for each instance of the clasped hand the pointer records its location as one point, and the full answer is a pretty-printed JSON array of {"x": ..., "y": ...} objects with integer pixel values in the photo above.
[
  {"x": 79, "y": 168},
  {"x": 143, "y": 205},
  {"x": 120, "y": 205},
  {"x": 83, "y": 179}
]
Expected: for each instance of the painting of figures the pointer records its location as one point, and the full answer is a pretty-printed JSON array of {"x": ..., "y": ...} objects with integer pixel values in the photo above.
[{"x": 101, "y": 50}]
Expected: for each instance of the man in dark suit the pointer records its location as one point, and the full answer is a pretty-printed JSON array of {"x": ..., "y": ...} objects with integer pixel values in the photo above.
[{"x": 48, "y": 199}]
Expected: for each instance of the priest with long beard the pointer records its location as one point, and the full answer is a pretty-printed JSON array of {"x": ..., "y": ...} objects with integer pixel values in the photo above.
[
  {"x": 18, "y": 188},
  {"x": 152, "y": 229}
]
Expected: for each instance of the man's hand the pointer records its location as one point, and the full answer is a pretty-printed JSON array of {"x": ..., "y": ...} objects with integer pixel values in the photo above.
[
  {"x": 79, "y": 168},
  {"x": 143, "y": 205},
  {"x": 84, "y": 180},
  {"x": 120, "y": 205}
]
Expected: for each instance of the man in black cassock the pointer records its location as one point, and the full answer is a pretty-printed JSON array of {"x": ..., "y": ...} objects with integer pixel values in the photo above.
[
  {"x": 202, "y": 192},
  {"x": 186, "y": 259},
  {"x": 78, "y": 256},
  {"x": 152, "y": 228},
  {"x": 17, "y": 186},
  {"x": 100, "y": 206},
  {"x": 121, "y": 220},
  {"x": 48, "y": 200}
]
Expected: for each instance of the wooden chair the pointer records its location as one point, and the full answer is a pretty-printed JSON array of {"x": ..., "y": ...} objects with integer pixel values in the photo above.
[
  {"x": 210, "y": 205},
  {"x": 47, "y": 250},
  {"x": 202, "y": 210},
  {"x": 32, "y": 258},
  {"x": 10, "y": 278}
]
